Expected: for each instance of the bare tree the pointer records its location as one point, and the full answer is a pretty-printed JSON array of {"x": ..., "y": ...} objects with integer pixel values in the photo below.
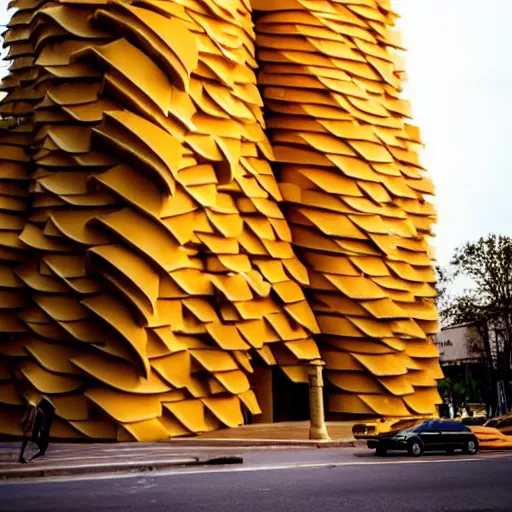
[{"x": 443, "y": 283}]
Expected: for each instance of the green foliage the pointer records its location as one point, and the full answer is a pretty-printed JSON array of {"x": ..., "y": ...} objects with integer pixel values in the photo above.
[
  {"x": 488, "y": 305},
  {"x": 456, "y": 391},
  {"x": 488, "y": 263},
  {"x": 459, "y": 389},
  {"x": 445, "y": 385}
]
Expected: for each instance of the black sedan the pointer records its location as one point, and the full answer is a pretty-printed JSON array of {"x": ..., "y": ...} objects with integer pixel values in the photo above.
[{"x": 432, "y": 435}]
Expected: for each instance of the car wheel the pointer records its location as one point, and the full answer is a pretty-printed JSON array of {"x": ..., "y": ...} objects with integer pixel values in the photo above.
[
  {"x": 380, "y": 451},
  {"x": 471, "y": 447},
  {"x": 415, "y": 448}
]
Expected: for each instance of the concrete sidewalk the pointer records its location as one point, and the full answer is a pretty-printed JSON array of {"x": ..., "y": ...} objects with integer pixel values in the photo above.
[
  {"x": 274, "y": 434},
  {"x": 80, "y": 458},
  {"x": 212, "y": 448}
]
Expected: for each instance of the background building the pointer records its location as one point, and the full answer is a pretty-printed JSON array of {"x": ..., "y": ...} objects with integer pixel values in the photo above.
[{"x": 470, "y": 368}]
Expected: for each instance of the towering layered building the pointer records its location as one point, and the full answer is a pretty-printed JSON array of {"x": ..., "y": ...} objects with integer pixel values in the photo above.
[{"x": 176, "y": 244}]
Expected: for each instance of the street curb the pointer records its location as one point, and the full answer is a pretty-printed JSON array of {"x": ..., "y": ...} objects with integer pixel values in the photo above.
[
  {"x": 270, "y": 443},
  {"x": 110, "y": 467}
]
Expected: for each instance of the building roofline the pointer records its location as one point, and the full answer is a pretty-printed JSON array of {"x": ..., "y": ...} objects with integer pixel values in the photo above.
[{"x": 458, "y": 326}]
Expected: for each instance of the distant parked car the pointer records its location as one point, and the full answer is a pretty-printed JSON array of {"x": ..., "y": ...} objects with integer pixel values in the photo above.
[
  {"x": 505, "y": 426},
  {"x": 474, "y": 414},
  {"x": 493, "y": 421},
  {"x": 431, "y": 435},
  {"x": 371, "y": 430},
  {"x": 502, "y": 423},
  {"x": 475, "y": 420}
]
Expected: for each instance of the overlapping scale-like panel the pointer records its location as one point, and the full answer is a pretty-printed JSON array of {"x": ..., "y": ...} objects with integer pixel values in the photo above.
[
  {"x": 356, "y": 197},
  {"x": 161, "y": 263}
]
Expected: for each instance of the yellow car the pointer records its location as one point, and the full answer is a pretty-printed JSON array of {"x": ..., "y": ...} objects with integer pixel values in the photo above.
[
  {"x": 491, "y": 438},
  {"x": 371, "y": 430}
]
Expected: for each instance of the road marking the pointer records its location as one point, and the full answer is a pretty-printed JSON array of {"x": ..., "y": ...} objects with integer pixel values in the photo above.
[{"x": 238, "y": 469}]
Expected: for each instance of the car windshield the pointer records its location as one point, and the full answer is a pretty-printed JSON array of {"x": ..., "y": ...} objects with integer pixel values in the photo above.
[
  {"x": 422, "y": 427},
  {"x": 437, "y": 425},
  {"x": 406, "y": 424}
]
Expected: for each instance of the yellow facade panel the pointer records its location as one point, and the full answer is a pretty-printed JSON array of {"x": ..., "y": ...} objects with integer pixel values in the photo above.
[
  {"x": 9, "y": 395},
  {"x": 53, "y": 358},
  {"x": 234, "y": 382},
  {"x": 190, "y": 413},
  {"x": 422, "y": 379},
  {"x": 386, "y": 405},
  {"x": 423, "y": 401},
  {"x": 174, "y": 368},
  {"x": 382, "y": 365},
  {"x": 354, "y": 382},
  {"x": 341, "y": 361},
  {"x": 349, "y": 404},
  {"x": 398, "y": 386},
  {"x": 226, "y": 336},
  {"x": 338, "y": 326},
  {"x": 227, "y": 410},
  {"x": 360, "y": 346},
  {"x": 120, "y": 374},
  {"x": 421, "y": 349},
  {"x": 126, "y": 407},
  {"x": 358, "y": 288},
  {"x": 302, "y": 313},
  {"x": 103, "y": 429},
  {"x": 297, "y": 374},
  {"x": 147, "y": 430},
  {"x": 215, "y": 360},
  {"x": 305, "y": 350},
  {"x": 71, "y": 407},
  {"x": 48, "y": 382}
]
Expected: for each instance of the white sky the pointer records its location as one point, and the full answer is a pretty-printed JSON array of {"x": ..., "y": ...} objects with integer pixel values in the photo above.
[{"x": 459, "y": 84}]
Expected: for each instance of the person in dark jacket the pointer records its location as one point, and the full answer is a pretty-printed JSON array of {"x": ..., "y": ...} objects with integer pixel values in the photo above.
[
  {"x": 28, "y": 422},
  {"x": 36, "y": 424}
]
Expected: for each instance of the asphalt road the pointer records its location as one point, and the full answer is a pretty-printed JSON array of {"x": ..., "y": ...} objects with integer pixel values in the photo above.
[{"x": 293, "y": 480}]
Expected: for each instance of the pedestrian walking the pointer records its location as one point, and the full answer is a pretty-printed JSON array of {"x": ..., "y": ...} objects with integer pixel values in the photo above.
[{"x": 36, "y": 424}]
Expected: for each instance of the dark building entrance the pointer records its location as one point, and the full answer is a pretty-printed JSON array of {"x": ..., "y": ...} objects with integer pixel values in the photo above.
[
  {"x": 291, "y": 400},
  {"x": 280, "y": 399}
]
